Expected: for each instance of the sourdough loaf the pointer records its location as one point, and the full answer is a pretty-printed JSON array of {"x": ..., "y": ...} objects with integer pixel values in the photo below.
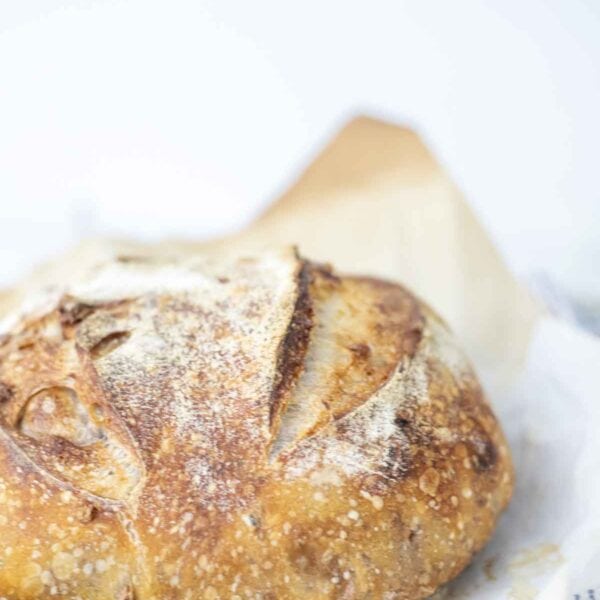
[{"x": 239, "y": 427}]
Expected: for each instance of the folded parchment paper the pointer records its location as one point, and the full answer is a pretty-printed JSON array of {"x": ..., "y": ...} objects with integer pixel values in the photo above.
[{"x": 376, "y": 202}]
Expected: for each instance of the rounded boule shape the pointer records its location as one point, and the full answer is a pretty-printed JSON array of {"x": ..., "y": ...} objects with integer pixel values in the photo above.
[{"x": 254, "y": 427}]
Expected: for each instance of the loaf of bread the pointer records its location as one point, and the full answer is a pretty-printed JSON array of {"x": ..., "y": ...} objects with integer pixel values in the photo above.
[{"x": 223, "y": 427}]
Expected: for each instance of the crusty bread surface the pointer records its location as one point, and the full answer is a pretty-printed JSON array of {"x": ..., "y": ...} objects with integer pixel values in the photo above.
[{"x": 222, "y": 427}]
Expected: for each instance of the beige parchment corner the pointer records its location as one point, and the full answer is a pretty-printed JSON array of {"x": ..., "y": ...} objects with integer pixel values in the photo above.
[{"x": 376, "y": 201}]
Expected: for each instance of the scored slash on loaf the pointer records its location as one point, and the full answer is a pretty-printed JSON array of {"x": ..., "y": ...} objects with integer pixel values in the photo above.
[{"x": 239, "y": 427}]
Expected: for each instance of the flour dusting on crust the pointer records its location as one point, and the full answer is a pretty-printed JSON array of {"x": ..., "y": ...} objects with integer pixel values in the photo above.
[{"x": 238, "y": 427}]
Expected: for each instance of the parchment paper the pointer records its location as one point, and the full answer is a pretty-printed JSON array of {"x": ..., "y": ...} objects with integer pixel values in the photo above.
[{"x": 375, "y": 201}]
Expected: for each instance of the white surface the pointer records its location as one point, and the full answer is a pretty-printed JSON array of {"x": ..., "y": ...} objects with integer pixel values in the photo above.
[
  {"x": 184, "y": 117},
  {"x": 548, "y": 543}
]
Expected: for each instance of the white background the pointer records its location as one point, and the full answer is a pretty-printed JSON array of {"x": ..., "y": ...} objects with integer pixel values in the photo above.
[{"x": 186, "y": 117}]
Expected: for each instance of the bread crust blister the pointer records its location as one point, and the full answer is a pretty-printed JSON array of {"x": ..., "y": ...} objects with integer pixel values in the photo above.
[{"x": 255, "y": 427}]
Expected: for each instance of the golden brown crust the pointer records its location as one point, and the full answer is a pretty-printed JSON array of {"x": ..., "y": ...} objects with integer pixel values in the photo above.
[{"x": 249, "y": 428}]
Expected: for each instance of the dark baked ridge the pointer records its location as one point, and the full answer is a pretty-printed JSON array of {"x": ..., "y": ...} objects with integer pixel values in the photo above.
[{"x": 252, "y": 428}]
